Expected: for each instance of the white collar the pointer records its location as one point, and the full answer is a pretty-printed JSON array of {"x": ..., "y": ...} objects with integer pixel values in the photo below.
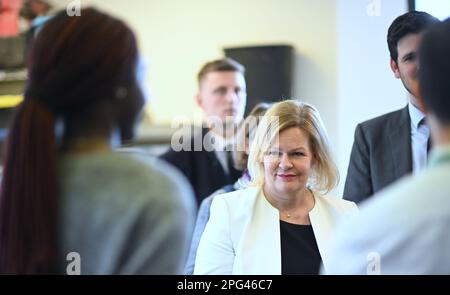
[{"x": 415, "y": 114}]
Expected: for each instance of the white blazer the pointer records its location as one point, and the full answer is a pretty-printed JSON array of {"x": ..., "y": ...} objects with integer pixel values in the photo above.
[{"x": 243, "y": 233}]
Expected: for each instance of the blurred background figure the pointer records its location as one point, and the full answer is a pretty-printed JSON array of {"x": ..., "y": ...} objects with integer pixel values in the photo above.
[
  {"x": 70, "y": 192},
  {"x": 12, "y": 42},
  {"x": 36, "y": 13},
  {"x": 244, "y": 136},
  {"x": 281, "y": 224},
  {"x": 207, "y": 161}
]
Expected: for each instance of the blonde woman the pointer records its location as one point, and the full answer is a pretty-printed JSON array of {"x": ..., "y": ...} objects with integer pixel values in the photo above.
[
  {"x": 282, "y": 223},
  {"x": 244, "y": 136}
]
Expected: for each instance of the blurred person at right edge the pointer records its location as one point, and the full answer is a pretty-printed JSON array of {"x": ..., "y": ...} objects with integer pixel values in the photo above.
[
  {"x": 281, "y": 223},
  {"x": 67, "y": 198},
  {"x": 405, "y": 229}
]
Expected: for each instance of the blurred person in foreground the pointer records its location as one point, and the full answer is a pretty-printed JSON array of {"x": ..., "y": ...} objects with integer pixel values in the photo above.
[{"x": 68, "y": 194}]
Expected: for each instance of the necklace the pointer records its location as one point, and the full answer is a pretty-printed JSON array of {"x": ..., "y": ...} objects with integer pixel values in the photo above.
[{"x": 289, "y": 214}]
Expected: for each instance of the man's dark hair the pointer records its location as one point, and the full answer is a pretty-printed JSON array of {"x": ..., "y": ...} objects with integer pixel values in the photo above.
[
  {"x": 413, "y": 22},
  {"x": 220, "y": 65},
  {"x": 434, "y": 71}
]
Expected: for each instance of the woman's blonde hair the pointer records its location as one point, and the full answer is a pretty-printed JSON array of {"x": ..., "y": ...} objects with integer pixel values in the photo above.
[
  {"x": 284, "y": 115},
  {"x": 246, "y": 132}
]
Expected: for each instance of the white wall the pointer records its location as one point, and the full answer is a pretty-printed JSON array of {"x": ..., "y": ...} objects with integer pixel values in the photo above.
[
  {"x": 438, "y": 8},
  {"x": 342, "y": 60},
  {"x": 178, "y": 36}
]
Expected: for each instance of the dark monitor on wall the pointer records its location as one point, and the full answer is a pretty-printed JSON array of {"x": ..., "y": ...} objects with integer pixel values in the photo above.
[{"x": 268, "y": 72}]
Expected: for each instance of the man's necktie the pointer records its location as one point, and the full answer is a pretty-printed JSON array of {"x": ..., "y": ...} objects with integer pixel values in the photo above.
[
  {"x": 232, "y": 172},
  {"x": 429, "y": 142}
]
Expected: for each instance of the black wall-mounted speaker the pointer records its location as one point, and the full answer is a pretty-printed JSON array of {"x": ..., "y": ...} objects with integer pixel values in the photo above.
[{"x": 268, "y": 72}]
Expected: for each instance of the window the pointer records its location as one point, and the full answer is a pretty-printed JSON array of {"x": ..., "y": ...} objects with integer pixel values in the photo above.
[{"x": 437, "y": 8}]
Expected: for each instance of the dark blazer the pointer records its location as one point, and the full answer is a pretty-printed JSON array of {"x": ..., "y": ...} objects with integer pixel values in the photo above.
[
  {"x": 380, "y": 155},
  {"x": 202, "y": 169}
]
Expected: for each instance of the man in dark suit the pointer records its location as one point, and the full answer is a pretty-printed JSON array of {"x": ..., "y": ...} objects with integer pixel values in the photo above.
[
  {"x": 412, "y": 237},
  {"x": 395, "y": 144},
  {"x": 205, "y": 159}
]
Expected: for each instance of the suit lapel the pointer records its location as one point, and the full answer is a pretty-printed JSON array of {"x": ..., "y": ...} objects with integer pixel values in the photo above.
[
  {"x": 400, "y": 142},
  {"x": 212, "y": 161},
  {"x": 212, "y": 157},
  {"x": 233, "y": 173},
  {"x": 323, "y": 225}
]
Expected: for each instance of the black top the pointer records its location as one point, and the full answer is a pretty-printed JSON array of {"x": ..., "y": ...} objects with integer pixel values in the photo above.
[{"x": 299, "y": 252}]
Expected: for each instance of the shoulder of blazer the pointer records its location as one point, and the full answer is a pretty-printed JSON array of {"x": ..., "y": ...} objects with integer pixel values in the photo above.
[
  {"x": 240, "y": 200},
  {"x": 337, "y": 204},
  {"x": 384, "y": 122}
]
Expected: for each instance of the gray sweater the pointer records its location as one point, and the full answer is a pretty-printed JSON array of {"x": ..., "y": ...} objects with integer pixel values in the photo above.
[{"x": 123, "y": 214}]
